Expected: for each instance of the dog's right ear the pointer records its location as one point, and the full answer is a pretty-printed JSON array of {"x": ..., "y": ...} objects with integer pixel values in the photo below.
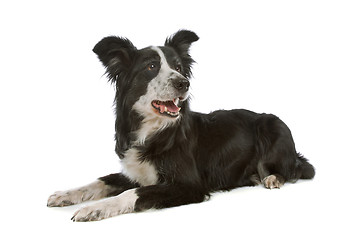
[{"x": 117, "y": 55}]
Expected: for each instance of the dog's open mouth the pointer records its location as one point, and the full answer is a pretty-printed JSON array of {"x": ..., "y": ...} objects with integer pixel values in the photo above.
[{"x": 168, "y": 108}]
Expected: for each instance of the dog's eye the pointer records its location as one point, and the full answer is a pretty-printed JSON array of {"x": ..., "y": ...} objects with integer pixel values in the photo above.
[
  {"x": 178, "y": 68},
  {"x": 151, "y": 67}
]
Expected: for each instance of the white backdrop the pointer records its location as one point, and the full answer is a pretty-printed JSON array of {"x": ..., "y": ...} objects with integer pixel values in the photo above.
[{"x": 297, "y": 59}]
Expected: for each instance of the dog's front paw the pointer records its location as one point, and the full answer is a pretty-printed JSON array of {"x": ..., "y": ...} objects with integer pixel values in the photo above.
[
  {"x": 63, "y": 198},
  {"x": 123, "y": 203},
  {"x": 92, "y": 213}
]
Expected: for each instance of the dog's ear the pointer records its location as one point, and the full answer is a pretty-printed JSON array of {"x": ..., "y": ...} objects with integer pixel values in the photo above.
[
  {"x": 117, "y": 55},
  {"x": 181, "y": 42}
]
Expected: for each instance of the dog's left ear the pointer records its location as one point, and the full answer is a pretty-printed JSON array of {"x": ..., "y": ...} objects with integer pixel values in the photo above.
[{"x": 181, "y": 42}]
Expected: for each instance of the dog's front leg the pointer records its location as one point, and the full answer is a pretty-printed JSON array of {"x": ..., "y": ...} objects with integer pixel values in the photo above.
[
  {"x": 140, "y": 199},
  {"x": 123, "y": 203},
  {"x": 107, "y": 186}
]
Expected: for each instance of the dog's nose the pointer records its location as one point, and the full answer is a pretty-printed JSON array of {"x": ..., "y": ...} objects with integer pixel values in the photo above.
[{"x": 181, "y": 84}]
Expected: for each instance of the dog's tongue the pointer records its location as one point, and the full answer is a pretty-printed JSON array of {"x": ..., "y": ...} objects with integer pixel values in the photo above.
[{"x": 170, "y": 106}]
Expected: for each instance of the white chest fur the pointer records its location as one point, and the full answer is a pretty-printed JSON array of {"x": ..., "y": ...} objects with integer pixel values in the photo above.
[{"x": 143, "y": 173}]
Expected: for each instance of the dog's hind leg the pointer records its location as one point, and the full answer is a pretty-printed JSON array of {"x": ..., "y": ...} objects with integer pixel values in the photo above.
[
  {"x": 275, "y": 152},
  {"x": 107, "y": 186}
]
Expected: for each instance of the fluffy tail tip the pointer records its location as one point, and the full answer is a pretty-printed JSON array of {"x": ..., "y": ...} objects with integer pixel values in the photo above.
[{"x": 307, "y": 170}]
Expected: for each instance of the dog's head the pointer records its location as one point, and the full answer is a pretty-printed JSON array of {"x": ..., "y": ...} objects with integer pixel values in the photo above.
[{"x": 153, "y": 81}]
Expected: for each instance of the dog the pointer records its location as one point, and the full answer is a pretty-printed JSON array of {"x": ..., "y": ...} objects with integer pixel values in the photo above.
[{"x": 170, "y": 155}]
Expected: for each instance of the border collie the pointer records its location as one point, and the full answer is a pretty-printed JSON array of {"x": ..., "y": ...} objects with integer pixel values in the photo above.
[{"x": 170, "y": 155}]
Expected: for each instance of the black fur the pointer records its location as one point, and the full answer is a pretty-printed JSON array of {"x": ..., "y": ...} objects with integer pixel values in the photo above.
[
  {"x": 199, "y": 153},
  {"x": 119, "y": 182}
]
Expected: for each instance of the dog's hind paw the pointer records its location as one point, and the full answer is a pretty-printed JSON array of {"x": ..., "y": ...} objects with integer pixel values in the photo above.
[{"x": 273, "y": 181}]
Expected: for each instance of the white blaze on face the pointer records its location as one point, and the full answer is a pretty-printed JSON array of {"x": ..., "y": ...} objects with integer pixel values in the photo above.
[
  {"x": 162, "y": 80},
  {"x": 160, "y": 88}
]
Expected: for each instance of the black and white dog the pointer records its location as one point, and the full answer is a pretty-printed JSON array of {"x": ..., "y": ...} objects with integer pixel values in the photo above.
[{"x": 170, "y": 155}]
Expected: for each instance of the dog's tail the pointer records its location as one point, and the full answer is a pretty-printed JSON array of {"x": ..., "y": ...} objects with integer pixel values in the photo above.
[{"x": 304, "y": 169}]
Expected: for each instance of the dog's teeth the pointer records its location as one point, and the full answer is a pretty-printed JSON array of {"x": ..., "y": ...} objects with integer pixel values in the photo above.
[
  {"x": 176, "y": 101},
  {"x": 172, "y": 114},
  {"x": 165, "y": 109}
]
